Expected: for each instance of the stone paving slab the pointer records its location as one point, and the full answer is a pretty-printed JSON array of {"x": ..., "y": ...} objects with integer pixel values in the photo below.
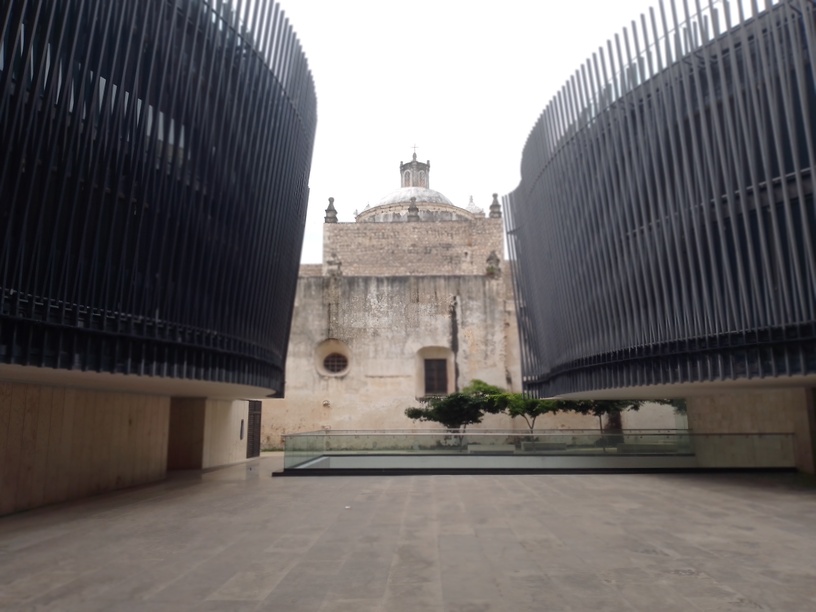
[{"x": 235, "y": 540}]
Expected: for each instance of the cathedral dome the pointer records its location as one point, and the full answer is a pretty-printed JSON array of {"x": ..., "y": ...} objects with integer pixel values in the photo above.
[
  {"x": 403, "y": 195},
  {"x": 415, "y": 204},
  {"x": 414, "y": 200}
]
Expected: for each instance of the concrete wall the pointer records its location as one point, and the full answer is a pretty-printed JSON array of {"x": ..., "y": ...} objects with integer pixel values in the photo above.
[
  {"x": 223, "y": 439},
  {"x": 185, "y": 448},
  {"x": 764, "y": 411},
  {"x": 206, "y": 433},
  {"x": 745, "y": 451},
  {"x": 58, "y": 443}
]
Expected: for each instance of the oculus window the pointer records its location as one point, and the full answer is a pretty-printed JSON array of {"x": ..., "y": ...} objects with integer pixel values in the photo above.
[
  {"x": 332, "y": 358},
  {"x": 335, "y": 362}
]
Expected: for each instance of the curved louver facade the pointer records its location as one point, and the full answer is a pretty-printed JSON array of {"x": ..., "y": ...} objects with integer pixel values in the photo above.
[
  {"x": 664, "y": 227},
  {"x": 153, "y": 186}
]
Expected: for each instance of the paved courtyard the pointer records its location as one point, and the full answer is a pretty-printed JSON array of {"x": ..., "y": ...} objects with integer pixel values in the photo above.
[{"x": 233, "y": 540}]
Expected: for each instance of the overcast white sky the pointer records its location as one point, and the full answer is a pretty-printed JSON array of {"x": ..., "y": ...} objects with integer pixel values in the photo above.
[{"x": 463, "y": 80}]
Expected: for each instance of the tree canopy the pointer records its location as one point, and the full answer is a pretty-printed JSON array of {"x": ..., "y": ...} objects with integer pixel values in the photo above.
[
  {"x": 457, "y": 410},
  {"x": 468, "y": 407},
  {"x": 611, "y": 409},
  {"x": 528, "y": 408}
]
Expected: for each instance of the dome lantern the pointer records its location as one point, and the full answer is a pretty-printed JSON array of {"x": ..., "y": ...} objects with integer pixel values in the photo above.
[{"x": 415, "y": 173}]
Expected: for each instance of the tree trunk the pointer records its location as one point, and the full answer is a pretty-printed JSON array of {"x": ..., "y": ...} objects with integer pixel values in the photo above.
[
  {"x": 614, "y": 428},
  {"x": 614, "y": 422}
]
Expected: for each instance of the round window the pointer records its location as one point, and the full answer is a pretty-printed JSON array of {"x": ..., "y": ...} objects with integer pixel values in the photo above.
[
  {"x": 332, "y": 358},
  {"x": 335, "y": 362}
]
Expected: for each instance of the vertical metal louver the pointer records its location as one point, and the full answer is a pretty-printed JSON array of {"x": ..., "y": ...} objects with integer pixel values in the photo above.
[
  {"x": 664, "y": 229},
  {"x": 153, "y": 186}
]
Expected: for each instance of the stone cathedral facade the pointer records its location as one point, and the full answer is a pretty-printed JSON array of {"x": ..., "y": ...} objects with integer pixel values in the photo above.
[{"x": 413, "y": 298}]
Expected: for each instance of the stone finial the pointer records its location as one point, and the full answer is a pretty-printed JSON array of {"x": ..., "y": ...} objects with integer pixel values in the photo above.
[
  {"x": 493, "y": 265},
  {"x": 331, "y": 213},
  {"x": 495, "y": 207},
  {"x": 472, "y": 208},
  {"x": 413, "y": 211}
]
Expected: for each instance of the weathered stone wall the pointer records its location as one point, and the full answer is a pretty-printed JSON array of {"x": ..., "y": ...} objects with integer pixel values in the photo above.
[
  {"x": 310, "y": 270},
  {"x": 420, "y": 248},
  {"x": 384, "y": 322},
  {"x": 403, "y": 292}
]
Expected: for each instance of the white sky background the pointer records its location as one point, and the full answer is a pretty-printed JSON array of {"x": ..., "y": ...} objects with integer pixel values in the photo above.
[{"x": 464, "y": 81}]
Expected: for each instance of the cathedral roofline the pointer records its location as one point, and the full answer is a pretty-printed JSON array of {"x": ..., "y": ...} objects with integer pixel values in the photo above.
[
  {"x": 422, "y": 195},
  {"x": 401, "y": 211}
]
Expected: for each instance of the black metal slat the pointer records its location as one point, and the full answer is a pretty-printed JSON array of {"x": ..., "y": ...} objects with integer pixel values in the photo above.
[
  {"x": 139, "y": 246},
  {"x": 674, "y": 198}
]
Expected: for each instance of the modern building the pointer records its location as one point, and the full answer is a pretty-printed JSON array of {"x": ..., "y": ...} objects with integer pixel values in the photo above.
[
  {"x": 412, "y": 299},
  {"x": 663, "y": 233},
  {"x": 153, "y": 184}
]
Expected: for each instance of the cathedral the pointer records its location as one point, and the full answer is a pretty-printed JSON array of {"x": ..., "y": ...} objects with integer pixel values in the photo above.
[{"x": 412, "y": 299}]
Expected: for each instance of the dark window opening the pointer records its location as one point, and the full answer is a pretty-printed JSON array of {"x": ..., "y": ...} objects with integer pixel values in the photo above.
[
  {"x": 254, "y": 429},
  {"x": 335, "y": 362},
  {"x": 436, "y": 376}
]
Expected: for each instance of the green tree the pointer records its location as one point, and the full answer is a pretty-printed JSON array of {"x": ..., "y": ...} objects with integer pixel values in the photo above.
[
  {"x": 458, "y": 410},
  {"x": 528, "y": 408},
  {"x": 611, "y": 409},
  {"x": 481, "y": 388},
  {"x": 455, "y": 411},
  {"x": 678, "y": 403}
]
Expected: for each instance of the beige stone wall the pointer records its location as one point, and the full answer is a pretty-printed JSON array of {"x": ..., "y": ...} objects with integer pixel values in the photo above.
[
  {"x": 402, "y": 289},
  {"x": 758, "y": 411},
  {"x": 59, "y": 443},
  {"x": 310, "y": 270},
  {"x": 422, "y": 248},
  {"x": 512, "y": 359},
  {"x": 384, "y": 323},
  {"x": 223, "y": 443}
]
